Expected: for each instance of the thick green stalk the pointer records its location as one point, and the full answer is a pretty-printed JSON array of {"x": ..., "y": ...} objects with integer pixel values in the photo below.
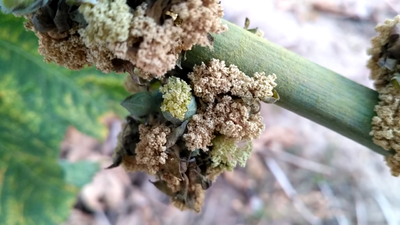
[{"x": 305, "y": 88}]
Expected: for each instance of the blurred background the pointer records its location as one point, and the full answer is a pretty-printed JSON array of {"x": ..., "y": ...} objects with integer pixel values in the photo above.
[{"x": 299, "y": 172}]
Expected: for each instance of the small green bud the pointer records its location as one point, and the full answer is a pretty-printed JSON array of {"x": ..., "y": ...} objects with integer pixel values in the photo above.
[
  {"x": 140, "y": 104},
  {"x": 396, "y": 81},
  {"x": 178, "y": 101}
]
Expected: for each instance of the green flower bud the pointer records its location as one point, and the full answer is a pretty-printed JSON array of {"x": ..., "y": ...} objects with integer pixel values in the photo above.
[{"x": 178, "y": 101}]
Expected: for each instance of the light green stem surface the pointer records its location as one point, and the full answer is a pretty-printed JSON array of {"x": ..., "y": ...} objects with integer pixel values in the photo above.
[{"x": 305, "y": 88}]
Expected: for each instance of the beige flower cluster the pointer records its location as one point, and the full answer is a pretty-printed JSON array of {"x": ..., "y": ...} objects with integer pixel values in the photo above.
[
  {"x": 184, "y": 128},
  {"x": 215, "y": 79},
  {"x": 227, "y": 114},
  {"x": 385, "y": 70},
  {"x": 149, "y": 153},
  {"x": 186, "y": 157},
  {"x": 386, "y": 125},
  {"x": 229, "y": 117},
  {"x": 149, "y": 36},
  {"x": 108, "y": 22}
]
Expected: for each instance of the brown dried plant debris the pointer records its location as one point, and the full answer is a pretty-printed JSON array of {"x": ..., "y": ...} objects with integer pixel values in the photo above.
[
  {"x": 149, "y": 36},
  {"x": 385, "y": 53},
  {"x": 194, "y": 201},
  {"x": 69, "y": 52}
]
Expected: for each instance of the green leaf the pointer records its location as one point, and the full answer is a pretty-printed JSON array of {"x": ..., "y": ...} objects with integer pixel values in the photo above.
[
  {"x": 176, "y": 133},
  {"x": 396, "y": 81},
  {"x": 38, "y": 101},
  {"x": 32, "y": 188},
  {"x": 77, "y": 98},
  {"x": 168, "y": 116},
  {"x": 274, "y": 98},
  {"x": 139, "y": 104},
  {"x": 192, "y": 108},
  {"x": 79, "y": 173}
]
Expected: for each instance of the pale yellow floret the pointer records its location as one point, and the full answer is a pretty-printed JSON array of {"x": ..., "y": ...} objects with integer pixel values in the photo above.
[
  {"x": 222, "y": 152},
  {"x": 177, "y": 96},
  {"x": 226, "y": 154}
]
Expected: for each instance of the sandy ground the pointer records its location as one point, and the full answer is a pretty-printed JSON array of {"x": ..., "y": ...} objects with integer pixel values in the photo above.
[{"x": 300, "y": 172}]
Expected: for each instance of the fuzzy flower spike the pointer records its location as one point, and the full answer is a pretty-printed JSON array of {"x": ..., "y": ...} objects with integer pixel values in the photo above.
[
  {"x": 185, "y": 128},
  {"x": 385, "y": 71},
  {"x": 115, "y": 35}
]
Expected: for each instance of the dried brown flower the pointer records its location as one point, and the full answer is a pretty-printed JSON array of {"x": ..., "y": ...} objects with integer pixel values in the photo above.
[
  {"x": 69, "y": 52},
  {"x": 196, "y": 201}
]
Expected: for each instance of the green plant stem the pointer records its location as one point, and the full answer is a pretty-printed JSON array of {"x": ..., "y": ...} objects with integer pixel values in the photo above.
[{"x": 305, "y": 88}]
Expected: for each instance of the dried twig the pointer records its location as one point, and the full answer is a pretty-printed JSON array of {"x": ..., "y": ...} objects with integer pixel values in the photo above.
[
  {"x": 101, "y": 218},
  {"x": 361, "y": 210},
  {"x": 386, "y": 208},
  {"x": 328, "y": 193},
  {"x": 303, "y": 163},
  {"x": 289, "y": 190},
  {"x": 394, "y": 4}
]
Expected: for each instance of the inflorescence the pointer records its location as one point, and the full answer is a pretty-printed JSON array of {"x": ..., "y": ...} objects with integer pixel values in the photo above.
[
  {"x": 184, "y": 127},
  {"x": 385, "y": 71}
]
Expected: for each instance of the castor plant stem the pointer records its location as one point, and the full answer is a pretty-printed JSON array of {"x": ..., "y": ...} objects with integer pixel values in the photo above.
[{"x": 305, "y": 88}]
